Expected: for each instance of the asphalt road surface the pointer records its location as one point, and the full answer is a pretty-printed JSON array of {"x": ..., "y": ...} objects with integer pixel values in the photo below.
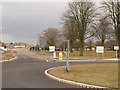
[{"x": 28, "y": 72}]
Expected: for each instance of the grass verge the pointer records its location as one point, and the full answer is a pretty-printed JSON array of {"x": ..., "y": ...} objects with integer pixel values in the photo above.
[
  {"x": 107, "y": 54},
  {"x": 97, "y": 74},
  {"x": 7, "y": 56}
]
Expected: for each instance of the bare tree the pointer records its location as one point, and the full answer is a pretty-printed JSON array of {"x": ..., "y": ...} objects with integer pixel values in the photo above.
[
  {"x": 113, "y": 9},
  {"x": 69, "y": 29},
  {"x": 83, "y": 14},
  {"x": 110, "y": 44},
  {"x": 51, "y": 36},
  {"x": 90, "y": 43},
  {"x": 104, "y": 30}
]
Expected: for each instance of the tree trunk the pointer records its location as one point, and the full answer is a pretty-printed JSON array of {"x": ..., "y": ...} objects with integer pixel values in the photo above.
[
  {"x": 81, "y": 47},
  {"x": 71, "y": 45},
  {"x": 102, "y": 42},
  {"x": 118, "y": 53},
  {"x": 117, "y": 28}
]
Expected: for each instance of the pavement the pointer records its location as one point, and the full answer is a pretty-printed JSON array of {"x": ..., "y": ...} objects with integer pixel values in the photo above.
[{"x": 27, "y": 71}]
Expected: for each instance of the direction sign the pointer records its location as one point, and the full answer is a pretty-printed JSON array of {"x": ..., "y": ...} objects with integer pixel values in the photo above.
[
  {"x": 116, "y": 47},
  {"x": 11, "y": 43},
  {"x": 51, "y": 48},
  {"x": 100, "y": 49}
]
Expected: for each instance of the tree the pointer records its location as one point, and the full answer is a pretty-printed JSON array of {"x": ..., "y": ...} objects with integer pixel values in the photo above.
[
  {"x": 110, "y": 44},
  {"x": 90, "y": 43},
  {"x": 69, "y": 29},
  {"x": 113, "y": 10},
  {"x": 51, "y": 36},
  {"x": 83, "y": 15},
  {"x": 103, "y": 30}
]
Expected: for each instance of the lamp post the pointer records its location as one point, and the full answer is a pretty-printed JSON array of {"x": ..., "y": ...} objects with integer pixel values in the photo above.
[
  {"x": 1, "y": 51},
  {"x": 41, "y": 40}
]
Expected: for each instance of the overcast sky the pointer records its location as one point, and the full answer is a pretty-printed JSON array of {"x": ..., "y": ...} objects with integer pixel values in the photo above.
[{"x": 23, "y": 21}]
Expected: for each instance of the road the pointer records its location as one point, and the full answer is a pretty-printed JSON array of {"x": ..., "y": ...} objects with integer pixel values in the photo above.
[{"x": 28, "y": 72}]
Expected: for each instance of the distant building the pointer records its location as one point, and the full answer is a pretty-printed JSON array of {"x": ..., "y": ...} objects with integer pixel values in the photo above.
[
  {"x": 88, "y": 48},
  {"x": 20, "y": 45}
]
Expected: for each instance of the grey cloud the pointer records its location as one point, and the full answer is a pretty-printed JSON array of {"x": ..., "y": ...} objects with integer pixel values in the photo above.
[
  {"x": 29, "y": 19},
  {"x": 0, "y": 14}
]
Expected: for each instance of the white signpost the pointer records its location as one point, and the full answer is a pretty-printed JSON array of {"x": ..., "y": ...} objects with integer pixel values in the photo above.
[
  {"x": 52, "y": 49},
  {"x": 116, "y": 48},
  {"x": 3, "y": 49},
  {"x": 100, "y": 49}
]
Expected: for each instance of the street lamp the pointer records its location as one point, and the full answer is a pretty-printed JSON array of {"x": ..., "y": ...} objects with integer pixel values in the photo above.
[
  {"x": 1, "y": 51},
  {"x": 41, "y": 40}
]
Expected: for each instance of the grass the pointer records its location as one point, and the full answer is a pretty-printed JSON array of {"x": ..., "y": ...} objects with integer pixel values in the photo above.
[
  {"x": 96, "y": 74},
  {"x": 47, "y": 53},
  {"x": 7, "y": 56},
  {"x": 107, "y": 54}
]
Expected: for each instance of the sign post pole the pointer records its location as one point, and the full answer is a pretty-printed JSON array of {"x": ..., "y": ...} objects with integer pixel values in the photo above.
[
  {"x": 52, "y": 49},
  {"x": 116, "y": 54},
  {"x": 67, "y": 59}
]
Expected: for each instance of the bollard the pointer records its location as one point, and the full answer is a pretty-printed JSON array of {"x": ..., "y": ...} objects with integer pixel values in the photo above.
[
  {"x": 60, "y": 56},
  {"x": 54, "y": 55}
]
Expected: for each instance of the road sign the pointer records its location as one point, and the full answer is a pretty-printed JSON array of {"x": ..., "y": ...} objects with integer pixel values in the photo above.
[
  {"x": 2, "y": 49},
  {"x": 11, "y": 43},
  {"x": 116, "y": 47},
  {"x": 51, "y": 48},
  {"x": 100, "y": 49}
]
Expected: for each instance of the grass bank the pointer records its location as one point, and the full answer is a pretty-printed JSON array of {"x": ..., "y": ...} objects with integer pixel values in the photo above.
[{"x": 96, "y": 74}]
